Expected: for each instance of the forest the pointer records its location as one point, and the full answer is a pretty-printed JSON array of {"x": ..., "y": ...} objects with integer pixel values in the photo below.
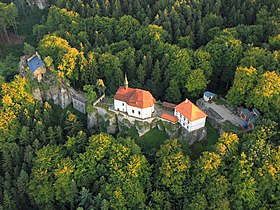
[{"x": 176, "y": 49}]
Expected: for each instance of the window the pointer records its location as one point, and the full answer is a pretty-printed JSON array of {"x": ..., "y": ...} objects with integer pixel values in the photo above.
[
  {"x": 123, "y": 104},
  {"x": 139, "y": 112},
  {"x": 132, "y": 111}
]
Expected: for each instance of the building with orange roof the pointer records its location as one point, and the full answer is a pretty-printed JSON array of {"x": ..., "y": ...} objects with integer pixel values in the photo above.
[
  {"x": 190, "y": 116},
  {"x": 135, "y": 102},
  {"x": 169, "y": 118}
]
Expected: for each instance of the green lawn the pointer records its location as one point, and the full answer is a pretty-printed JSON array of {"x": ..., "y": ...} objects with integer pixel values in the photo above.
[
  {"x": 108, "y": 99},
  {"x": 205, "y": 145},
  {"x": 150, "y": 142}
]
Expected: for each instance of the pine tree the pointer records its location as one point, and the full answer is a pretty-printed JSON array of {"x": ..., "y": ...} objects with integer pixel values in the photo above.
[{"x": 141, "y": 75}]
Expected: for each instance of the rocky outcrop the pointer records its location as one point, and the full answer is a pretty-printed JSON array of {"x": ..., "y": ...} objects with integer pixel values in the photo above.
[
  {"x": 194, "y": 136},
  {"x": 54, "y": 93},
  {"x": 111, "y": 122},
  {"x": 172, "y": 130},
  {"x": 142, "y": 127},
  {"x": 41, "y": 4},
  {"x": 64, "y": 97},
  {"x": 37, "y": 94},
  {"x": 92, "y": 119}
]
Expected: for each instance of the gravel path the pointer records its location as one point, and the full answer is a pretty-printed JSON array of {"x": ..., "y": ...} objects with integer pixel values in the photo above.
[{"x": 224, "y": 113}]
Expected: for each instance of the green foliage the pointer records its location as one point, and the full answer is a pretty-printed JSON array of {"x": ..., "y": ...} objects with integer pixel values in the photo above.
[
  {"x": 173, "y": 168},
  {"x": 115, "y": 162},
  {"x": 244, "y": 81},
  {"x": 90, "y": 93},
  {"x": 28, "y": 49},
  {"x": 196, "y": 83},
  {"x": 172, "y": 48},
  {"x": 173, "y": 93}
]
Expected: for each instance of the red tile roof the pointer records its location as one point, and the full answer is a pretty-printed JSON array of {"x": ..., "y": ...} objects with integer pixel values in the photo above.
[
  {"x": 190, "y": 111},
  {"x": 135, "y": 97},
  {"x": 169, "y": 117}
]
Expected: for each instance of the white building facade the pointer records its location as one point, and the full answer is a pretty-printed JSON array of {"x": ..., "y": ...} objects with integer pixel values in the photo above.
[
  {"x": 190, "y": 116},
  {"x": 79, "y": 104},
  {"x": 133, "y": 111},
  {"x": 190, "y": 125}
]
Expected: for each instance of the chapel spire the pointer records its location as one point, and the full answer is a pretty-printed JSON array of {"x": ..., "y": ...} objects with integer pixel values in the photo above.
[{"x": 125, "y": 82}]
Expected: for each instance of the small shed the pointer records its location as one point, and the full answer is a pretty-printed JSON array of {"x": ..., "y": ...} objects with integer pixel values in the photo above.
[
  {"x": 245, "y": 114},
  {"x": 207, "y": 96},
  {"x": 251, "y": 122},
  {"x": 169, "y": 118},
  {"x": 168, "y": 106},
  {"x": 36, "y": 66}
]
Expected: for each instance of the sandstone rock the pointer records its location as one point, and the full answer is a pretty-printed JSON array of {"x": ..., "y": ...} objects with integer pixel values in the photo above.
[
  {"x": 41, "y": 4},
  {"x": 112, "y": 128},
  {"x": 54, "y": 93},
  {"x": 92, "y": 120},
  {"x": 64, "y": 97},
  {"x": 37, "y": 94},
  {"x": 142, "y": 127},
  {"x": 194, "y": 136}
]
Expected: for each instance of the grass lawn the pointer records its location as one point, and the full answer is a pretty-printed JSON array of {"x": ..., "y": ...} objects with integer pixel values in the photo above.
[
  {"x": 108, "y": 99},
  {"x": 205, "y": 145},
  {"x": 150, "y": 142}
]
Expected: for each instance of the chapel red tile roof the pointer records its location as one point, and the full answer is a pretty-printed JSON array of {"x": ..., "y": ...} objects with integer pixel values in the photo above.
[
  {"x": 169, "y": 117},
  {"x": 190, "y": 111},
  {"x": 135, "y": 97}
]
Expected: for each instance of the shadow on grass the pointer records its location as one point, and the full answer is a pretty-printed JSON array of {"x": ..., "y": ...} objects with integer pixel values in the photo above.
[
  {"x": 197, "y": 148},
  {"x": 150, "y": 143}
]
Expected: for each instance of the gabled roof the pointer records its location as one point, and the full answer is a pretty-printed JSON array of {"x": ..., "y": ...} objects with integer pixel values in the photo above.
[
  {"x": 135, "y": 97},
  {"x": 34, "y": 63},
  {"x": 169, "y": 117},
  {"x": 190, "y": 111}
]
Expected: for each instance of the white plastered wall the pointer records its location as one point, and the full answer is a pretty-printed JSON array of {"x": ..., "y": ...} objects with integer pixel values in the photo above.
[{"x": 190, "y": 126}]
